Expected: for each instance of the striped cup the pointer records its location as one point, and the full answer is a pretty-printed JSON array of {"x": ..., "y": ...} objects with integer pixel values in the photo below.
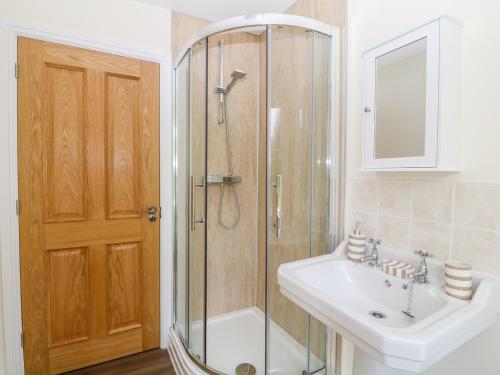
[{"x": 458, "y": 279}]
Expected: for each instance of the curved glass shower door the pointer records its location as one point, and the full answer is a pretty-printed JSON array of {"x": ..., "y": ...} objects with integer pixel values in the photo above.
[
  {"x": 181, "y": 195},
  {"x": 253, "y": 172},
  {"x": 298, "y": 187},
  {"x": 190, "y": 192}
]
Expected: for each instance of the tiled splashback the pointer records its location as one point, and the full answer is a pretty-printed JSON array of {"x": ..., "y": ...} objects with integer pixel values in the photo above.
[{"x": 451, "y": 220}]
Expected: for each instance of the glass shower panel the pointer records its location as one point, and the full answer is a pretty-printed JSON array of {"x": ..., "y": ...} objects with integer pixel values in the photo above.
[
  {"x": 182, "y": 195},
  {"x": 320, "y": 177},
  {"x": 235, "y": 324},
  {"x": 198, "y": 83},
  {"x": 290, "y": 132},
  {"x": 252, "y": 186}
]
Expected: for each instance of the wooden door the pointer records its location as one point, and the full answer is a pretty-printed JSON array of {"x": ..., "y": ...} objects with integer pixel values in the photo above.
[{"x": 88, "y": 143}]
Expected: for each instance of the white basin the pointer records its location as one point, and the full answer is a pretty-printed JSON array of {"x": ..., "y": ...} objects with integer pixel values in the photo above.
[{"x": 341, "y": 294}]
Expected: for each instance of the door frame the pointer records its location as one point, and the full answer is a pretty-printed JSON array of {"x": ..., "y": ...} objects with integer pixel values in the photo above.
[{"x": 9, "y": 223}]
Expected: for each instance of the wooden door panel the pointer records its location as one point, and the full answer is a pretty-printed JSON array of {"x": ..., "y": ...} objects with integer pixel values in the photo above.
[
  {"x": 60, "y": 236},
  {"x": 88, "y": 163},
  {"x": 65, "y": 171},
  {"x": 68, "y": 296},
  {"x": 123, "y": 156},
  {"x": 77, "y": 355},
  {"x": 124, "y": 289},
  {"x": 59, "y": 54},
  {"x": 96, "y": 125}
]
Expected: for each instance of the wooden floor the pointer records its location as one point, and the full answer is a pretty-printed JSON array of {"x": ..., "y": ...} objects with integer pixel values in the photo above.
[{"x": 152, "y": 362}]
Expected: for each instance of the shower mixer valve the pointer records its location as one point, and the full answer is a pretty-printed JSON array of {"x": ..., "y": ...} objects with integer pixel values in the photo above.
[{"x": 213, "y": 180}]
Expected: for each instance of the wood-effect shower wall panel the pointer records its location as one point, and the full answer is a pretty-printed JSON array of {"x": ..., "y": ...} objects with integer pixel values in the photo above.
[
  {"x": 232, "y": 254},
  {"x": 290, "y": 98},
  {"x": 330, "y": 12},
  {"x": 184, "y": 27}
]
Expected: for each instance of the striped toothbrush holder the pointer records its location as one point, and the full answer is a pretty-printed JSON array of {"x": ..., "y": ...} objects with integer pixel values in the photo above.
[{"x": 458, "y": 279}]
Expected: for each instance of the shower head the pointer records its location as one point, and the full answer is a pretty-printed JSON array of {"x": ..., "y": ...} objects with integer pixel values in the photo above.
[{"x": 235, "y": 75}]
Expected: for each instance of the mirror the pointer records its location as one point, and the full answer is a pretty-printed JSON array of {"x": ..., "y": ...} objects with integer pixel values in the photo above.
[{"x": 400, "y": 101}]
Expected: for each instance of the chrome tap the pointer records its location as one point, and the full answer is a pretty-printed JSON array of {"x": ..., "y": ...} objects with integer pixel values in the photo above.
[
  {"x": 421, "y": 276},
  {"x": 373, "y": 257}
]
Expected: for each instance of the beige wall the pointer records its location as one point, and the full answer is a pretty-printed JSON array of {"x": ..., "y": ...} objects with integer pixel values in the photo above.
[{"x": 451, "y": 214}]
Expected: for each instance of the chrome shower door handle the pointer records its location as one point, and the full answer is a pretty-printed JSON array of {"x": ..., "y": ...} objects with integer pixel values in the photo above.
[
  {"x": 279, "y": 201},
  {"x": 192, "y": 204}
]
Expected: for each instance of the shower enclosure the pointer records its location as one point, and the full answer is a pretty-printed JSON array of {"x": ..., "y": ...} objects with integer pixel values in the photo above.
[{"x": 255, "y": 187}]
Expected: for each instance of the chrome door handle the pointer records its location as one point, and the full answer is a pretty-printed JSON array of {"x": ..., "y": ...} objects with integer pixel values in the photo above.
[
  {"x": 279, "y": 198},
  {"x": 192, "y": 204},
  {"x": 151, "y": 211}
]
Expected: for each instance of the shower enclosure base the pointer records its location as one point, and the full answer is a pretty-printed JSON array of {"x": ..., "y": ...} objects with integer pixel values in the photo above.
[{"x": 239, "y": 337}]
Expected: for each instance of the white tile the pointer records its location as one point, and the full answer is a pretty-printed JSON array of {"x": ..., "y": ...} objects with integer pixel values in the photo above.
[
  {"x": 394, "y": 198},
  {"x": 432, "y": 201},
  {"x": 394, "y": 232},
  {"x": 477, "y": 206}
]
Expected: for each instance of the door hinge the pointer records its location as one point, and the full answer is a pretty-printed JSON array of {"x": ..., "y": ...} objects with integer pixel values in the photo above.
[
  {"x": 16, "y": 70},
  {"x": 18, "y": 207},
  {"x": 22, "y": 339}
]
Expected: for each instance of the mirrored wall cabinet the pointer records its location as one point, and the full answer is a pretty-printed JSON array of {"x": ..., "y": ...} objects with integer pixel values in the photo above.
[{"x": 412, "y": 100}]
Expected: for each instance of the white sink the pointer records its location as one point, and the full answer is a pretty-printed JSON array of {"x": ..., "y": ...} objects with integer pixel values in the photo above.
[{"x": 341, "y": 294}]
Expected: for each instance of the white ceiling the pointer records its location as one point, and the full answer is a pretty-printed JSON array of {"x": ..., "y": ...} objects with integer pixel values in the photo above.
[{"x": 214, "y": 10}]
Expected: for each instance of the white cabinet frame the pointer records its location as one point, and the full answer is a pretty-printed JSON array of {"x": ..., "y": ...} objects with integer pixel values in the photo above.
[{"x": 442, "y": 92}]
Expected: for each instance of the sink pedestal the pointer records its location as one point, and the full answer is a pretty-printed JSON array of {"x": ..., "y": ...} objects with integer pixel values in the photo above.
[{"x": 364, "y": 364}]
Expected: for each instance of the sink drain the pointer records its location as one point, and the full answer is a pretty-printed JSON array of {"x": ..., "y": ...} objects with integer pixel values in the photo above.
[
  {"x": 245, "y": 369},
  {"x": 377, "y": 315}
]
